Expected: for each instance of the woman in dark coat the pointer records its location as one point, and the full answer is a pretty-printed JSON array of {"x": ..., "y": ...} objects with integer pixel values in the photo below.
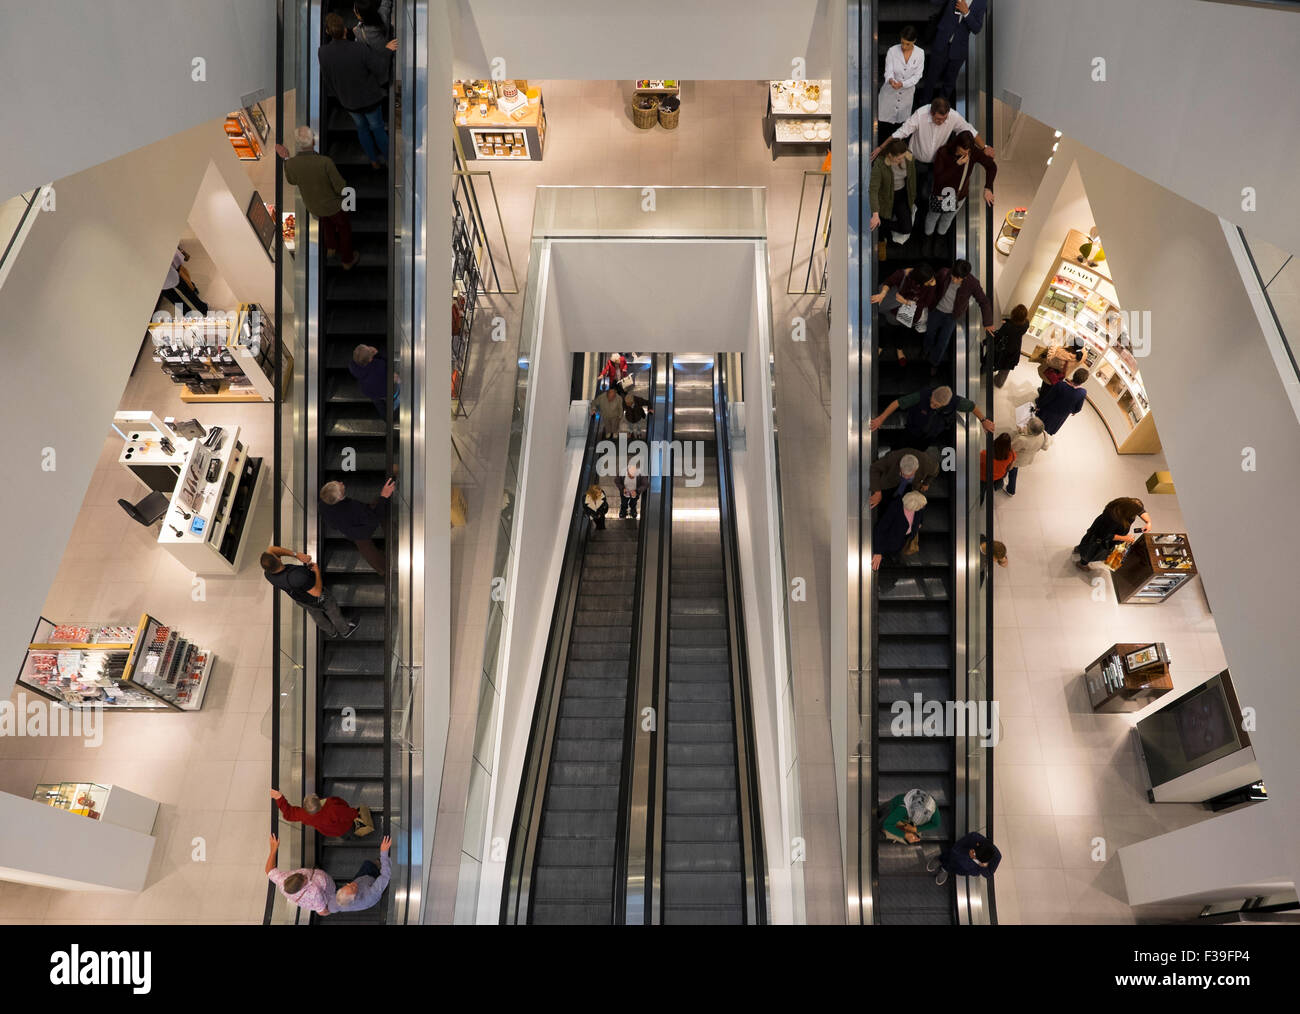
[
  {"x": 1109, "y": 529},
  {"x": 906, "y": 285},
  {"x": 1005, "y": 343},
  {"x": 898, "y": 522}
]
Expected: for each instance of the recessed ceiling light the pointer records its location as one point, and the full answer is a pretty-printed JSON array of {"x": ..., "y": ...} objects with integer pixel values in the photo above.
[
  {"x": 1058, "y": 134},
  {"x": 1049, "y": 161}
]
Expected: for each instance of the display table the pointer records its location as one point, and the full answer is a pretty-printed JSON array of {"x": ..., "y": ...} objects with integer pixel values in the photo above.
[
  {"x": 1128, "y": 677},
  {"x": 1078, "y": 304},
  {"x": 228, "y": 356},
  {"x": 109, "y": 803},
  {"x": 799, "y": 116},
  {"x": 493, "y": 127},
  {"x": 148, "y": 667},
  {"x": 1155, "y": 567}
]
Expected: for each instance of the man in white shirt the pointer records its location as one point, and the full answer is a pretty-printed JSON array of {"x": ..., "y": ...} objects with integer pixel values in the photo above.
[{"x": 927, "y": 130}]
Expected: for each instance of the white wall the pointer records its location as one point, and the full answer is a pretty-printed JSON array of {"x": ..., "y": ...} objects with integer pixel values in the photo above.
[
  {"x": 594, "y": 40},
  {"x": 1216, "y": 395},
  {"x": 220, "y": 222},
  {"x": 48, "y": 847},
  {"x": 87, "y": 82},
  {"x": 1198, "y": 96},
  {"x": 72, "y": 316},
  {"x": 649, "y": 296}
]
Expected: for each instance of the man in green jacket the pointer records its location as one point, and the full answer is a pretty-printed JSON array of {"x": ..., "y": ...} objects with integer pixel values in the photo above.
[{"x": 321, "y": 185}]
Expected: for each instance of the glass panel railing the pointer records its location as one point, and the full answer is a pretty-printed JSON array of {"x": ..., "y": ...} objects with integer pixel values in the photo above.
[
  {"x": 17, "y": 215},
  {"x": 1272, "y": 278},
  {"x": 974, "y": 682}
]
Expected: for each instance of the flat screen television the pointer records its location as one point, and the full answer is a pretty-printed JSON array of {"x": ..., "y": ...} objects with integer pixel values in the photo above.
[
  {"x": 262, "y": 222},
  {"x": 1195, "y": 730}
]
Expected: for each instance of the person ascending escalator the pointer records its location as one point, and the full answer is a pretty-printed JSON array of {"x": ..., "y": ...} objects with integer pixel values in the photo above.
[{"x": 909, "y": 814}]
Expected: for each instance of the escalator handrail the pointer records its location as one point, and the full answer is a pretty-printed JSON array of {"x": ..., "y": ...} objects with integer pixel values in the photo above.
[
  {"x": 659, "y": 684},
  {"x": 516, "y": 899},
  {"x": 748, "y": 798},
  {"x": 632, "y": 852}
]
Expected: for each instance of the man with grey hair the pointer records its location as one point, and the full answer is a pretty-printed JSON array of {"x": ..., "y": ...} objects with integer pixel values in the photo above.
[
  {"x": 899, "y": 471},
  {"x": 357, "y": 521},
  {"x": 367, "y": 887},
  {"x": 930, "y": 413},
  {"x": 321, "y": 185},
  {"x": 1029, "y": 439}
]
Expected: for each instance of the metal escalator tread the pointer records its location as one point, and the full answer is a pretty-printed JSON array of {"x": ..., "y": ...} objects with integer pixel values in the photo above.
[
  {"x": 703, "y": 875},
  {"x": 573, "y": 875},
  {"x": 351, "y": 744}
]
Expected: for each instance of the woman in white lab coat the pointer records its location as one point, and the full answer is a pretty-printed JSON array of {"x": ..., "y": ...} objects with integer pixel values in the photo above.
[{"x": 904, "y": 65}]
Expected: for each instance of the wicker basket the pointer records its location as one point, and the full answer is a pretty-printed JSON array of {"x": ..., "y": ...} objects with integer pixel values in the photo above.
[
  {"x": 645, "y": 111},
  {"x": 668, "y": 118}
]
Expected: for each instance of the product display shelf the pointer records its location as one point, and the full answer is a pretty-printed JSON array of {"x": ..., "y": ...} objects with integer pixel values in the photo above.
[
  {"x": 503, "y": 121},
  {"x": 228, "y": 357},
  {"x": 86, "y": 799},
  {"x": 646, "y": 86},
  {"x": 82, "y": 665},
  {"x": 1128, "y": 677},
  {"x": 466, "y": 284},
  {"x": 1078, "y": 306},
  {"x": 1155, "y": 566},
  {"x": 243, "y": 137},
  {"x": 798, "y": 117}
]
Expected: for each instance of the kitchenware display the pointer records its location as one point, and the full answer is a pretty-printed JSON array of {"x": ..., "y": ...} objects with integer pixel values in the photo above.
[
  {"x": 824, "y": 133},
  {"x": 810, "y": 132}
]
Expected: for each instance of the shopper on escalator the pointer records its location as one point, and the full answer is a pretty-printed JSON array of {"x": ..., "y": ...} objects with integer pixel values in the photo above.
[
  {"x": 595, "y": 505},
  {"x": 609, "y": 404},
  {"x": 1109, "y": 529},
  {"x": 959, "y": 21},
  {"x": 899, "y": 471},
  {"x": 908, "y": 815},
  {"x": 370, "y": 369},
  {"x": 374, "y": 24},
  {"x": 356, "y": 75},
  {"x": 365, "y": 889},
  {"x": 956, "y": 286},
  {"x": 893, "y": 191},
  {"x": 331, "y": 816},
  {"x": 614, "y": 373},
  {"x": 931, "y": 411},
  {"x": 899, "y": 523},
  {"x": 358, "y": 521},
  {"x": 321, "y": 187},
  {"x": 954, "y": 164},
  {"x": 630, "y": 490},
  {"x": 905, "y": 299},
  {"x": 306, "y": 586},
  {"x": 904, "y": 66},
  {"x": 635, "y": 410},
  {"x": 307, "y": 888},
  {"x": 927, "y": 130},
  {"x": 972, "y": 855}
]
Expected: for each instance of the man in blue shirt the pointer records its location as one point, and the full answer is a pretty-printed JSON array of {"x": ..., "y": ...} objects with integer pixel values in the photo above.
[
  {"x": 971, "y": 856},
  {"x": 367, "y": 887}
]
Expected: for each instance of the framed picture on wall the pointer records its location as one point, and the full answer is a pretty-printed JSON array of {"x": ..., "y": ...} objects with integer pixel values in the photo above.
[
  {"x": 258, "y": 119},
  {"x": 263, "y": 223}
]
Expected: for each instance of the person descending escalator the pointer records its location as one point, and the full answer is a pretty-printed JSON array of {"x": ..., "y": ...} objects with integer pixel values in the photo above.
[
  {"x": 635, "y": 410},
  {"x": 898, "y": 529},
  {"x": 595, "y": 506},
  {"x": 971, "y": 856},
  {"x": 630, "y": 490},
  {"x": 909, "y": 814},
  {"x": 610, "y": 407}
]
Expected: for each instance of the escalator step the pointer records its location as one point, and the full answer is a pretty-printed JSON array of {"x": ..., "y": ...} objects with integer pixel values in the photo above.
[
  {"x": 595, "y": 651},
  {"x": 681, "y": 915},
  {"x": 569, "y": 798},
  {"x": 701, "y": 776},
  {"x": 588, "y": 750},
  {"x": 900, "y": 585},
  {"x": 575, "y": 852},
  {"x": 564, "y": 772},
  {"x": 696, "y": 889},
  {"x": 570, "y": 914},
  {"x": 353, "y": 691},
  {"x": 593, "y": 686},
  {"x": 357, "y": 792},
  {"x": 913, "y": 653},
  {"x": 597, "y": 668},
  {"x": 710, "y": 691},
  {"x": 592, "y": 707},
  {"x": 694, "y": 672},
  {"x": 579, "y": 823},
  {"x": 708, "y": 637},
  {"x": 589, "y": 728},
  {"x": 902, "y": 688},
  {"x": 898, "y": 619},
  {"x": 601, "y": 634},
  {"x": 365, "y": 728},
  {"x": 681, "y": 732},
  {"x": 344, "y": 762},
  {"x": 899, "y": 756},
  {"x": 701, "y": 753},
  {"x": 696, "y": 655},
  {"x": 700, "y": 802},
  {"x": 587, "y": 885},
  {"x": 342, "y": 658},
  {"x": 700, "y": 711},
  {"x": 714, "y": 828}
]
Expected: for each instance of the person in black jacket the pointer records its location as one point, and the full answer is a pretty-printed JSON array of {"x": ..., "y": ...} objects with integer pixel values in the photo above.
[
  {"x": 1109, "y": 529},
  {"x": 357, "y": 521},
  {"x": 355, "y": 74},
  {"x": 634, "y": 414},
  {"x": 898, "y": 522},
  {"x": 1061, "y": 400},
  {"x": 1005, "y": 343}
]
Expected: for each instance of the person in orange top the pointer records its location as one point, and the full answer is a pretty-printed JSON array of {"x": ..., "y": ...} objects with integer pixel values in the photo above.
[
  {"x": 1003, "y": 458},
  {"x": 331, "y": 816}
]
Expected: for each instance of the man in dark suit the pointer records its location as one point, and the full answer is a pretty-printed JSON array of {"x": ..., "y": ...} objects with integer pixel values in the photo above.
[
  {"x": 1062, "y": 400},
  {"x": 900, "y": 471},
  {"x": 947, "y": 53}
]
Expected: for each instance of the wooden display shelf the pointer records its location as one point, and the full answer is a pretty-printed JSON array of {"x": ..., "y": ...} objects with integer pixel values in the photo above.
[
  {"x": 1140, "y": 686},
  {"x": 223, "y": 396},
  {"x": 1149, "y": 573}
]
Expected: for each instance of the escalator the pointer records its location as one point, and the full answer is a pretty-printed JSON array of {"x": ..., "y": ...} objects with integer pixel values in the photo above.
[
  {"x": 916, "y": 613},
  {"x": 352, "y": 728},
  {"x": 704, "y": 867},
  {"x": 622, "y": 820}
]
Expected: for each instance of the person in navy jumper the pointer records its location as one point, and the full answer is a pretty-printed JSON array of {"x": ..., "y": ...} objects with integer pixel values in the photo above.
[
  {"x": 1062, "y": 400},
  {"x": 371, "y": 370},
  {"x": 356, "y": 520},
  {"x": 970, "y": 856},
  {"x": 947, "y": 53}
]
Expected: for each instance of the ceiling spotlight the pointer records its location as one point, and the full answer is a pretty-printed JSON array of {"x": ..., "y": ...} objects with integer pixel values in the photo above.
[
  {"x": 1049, "y": 161},
  {"x": 1058, "y": 134}
]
